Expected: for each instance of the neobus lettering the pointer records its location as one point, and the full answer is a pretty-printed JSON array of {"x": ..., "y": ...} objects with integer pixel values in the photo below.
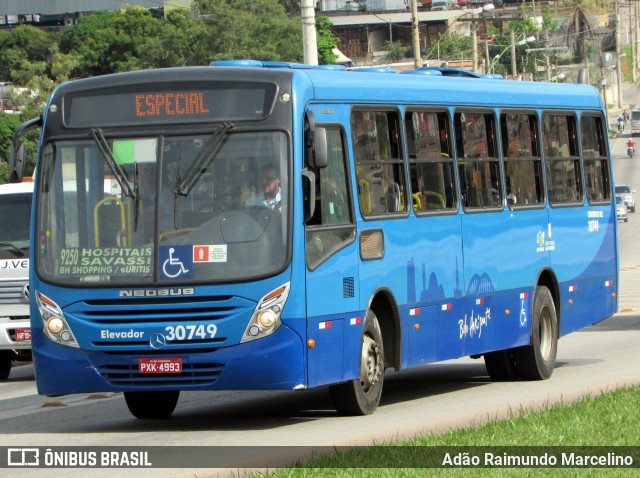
[
  {"x": 161, "y": 104},
  {"x": 156, "y": 292}
]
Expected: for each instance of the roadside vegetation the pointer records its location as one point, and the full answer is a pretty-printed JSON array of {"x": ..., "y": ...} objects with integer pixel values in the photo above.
[{"x": 608, "y": 420}]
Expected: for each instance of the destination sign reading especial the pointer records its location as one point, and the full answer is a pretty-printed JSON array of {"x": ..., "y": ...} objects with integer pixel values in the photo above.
[
  {"x": 171, "y": 104},
  {"x": 168, "y": 104}
]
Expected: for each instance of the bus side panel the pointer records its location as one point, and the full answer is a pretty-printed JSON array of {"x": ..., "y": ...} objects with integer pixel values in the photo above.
[
  {"x": 421, "y": 334},
  {"x": 421, "y": 268},
  {"x": 450, "y": 340},
  {"x": 434, "y": 278},
  {"x": 326, "y": 357},
  {"x": 332, "y": 293},
  {"x": 502, "y": 259},
  {"x": 583, "y": 257}
]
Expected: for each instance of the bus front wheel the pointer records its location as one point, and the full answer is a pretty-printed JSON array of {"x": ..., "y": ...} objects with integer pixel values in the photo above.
[
  {"x": 361, "y": 396},
  {"x": 6, "y": 357},
  {"x": 537, "y": 360},
  {"x": 151, "y": 404}
]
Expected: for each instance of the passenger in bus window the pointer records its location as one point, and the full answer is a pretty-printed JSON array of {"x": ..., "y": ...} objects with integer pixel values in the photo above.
[{"x": 270, "y": 196}]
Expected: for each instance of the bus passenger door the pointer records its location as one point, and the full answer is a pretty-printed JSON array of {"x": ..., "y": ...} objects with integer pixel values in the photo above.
[{"x": 332, "y": 259}]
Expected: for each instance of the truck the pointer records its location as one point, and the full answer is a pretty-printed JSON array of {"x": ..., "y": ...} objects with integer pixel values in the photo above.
[
  {"x": 15, "y": 328},
  {"x": 635, "y": 122}
]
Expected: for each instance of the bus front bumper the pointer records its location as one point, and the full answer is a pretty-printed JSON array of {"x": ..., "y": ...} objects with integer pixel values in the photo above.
[{"x": 276, "y": 362}]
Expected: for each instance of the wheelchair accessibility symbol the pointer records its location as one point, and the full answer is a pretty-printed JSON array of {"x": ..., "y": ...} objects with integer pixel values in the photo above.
[{"x": 176, "y": 261}]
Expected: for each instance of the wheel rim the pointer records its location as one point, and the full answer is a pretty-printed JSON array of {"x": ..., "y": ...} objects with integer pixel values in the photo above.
[
  {"x": 545, "y": 334},
  {"x": 369, "y": 363}
]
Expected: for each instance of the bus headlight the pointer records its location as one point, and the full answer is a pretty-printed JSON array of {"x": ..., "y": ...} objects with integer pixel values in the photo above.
[
  {"x": 55, "y": 327},
  {"x": 266, "y": 316}
]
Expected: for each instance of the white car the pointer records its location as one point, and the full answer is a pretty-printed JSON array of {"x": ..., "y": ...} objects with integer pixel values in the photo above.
[
  {"x": 621, "y": 209},
  {"x": 627, "y": 194}
]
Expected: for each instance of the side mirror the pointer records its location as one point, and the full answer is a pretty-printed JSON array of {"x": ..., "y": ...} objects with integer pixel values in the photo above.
[
  {"x": 17, "y": 155},
  {"x": 320, "y": 149},
  {"x": 16, "y": 163},
  {"x": 315, "y": 139}
]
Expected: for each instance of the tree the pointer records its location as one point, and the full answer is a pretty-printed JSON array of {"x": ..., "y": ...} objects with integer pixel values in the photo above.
[
  {"x": 23, "y": 43},
  {"x": 175, "y": 43},
  {"x": 256, "y": 29},
  {"x": 8, "y": 124},
  {"x": 395, "y": 50},
  {"x": 326, "y": 40},
  {"x": 109, "y": 42},
  {"x": 451, "y": 45},
  {"x": 522, "y": 29}
]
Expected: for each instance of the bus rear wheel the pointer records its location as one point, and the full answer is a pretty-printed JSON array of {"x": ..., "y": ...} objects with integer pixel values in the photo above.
[
  {"x": 537, "y": 360},
  {"x": 151, "y": 404},
  {"x": 361, "y": 396},
  {"x": 501, "y": 366}
]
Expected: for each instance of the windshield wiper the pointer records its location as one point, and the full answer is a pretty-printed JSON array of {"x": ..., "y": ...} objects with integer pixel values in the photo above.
[
  {"x": 203, "y": 160},
  {"x": 10, "y": 245},
  {"x": 117, "y": 171}
]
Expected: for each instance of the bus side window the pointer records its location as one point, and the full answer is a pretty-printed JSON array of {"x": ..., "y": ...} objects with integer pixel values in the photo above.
[
  {"x": 332, "y": 226},
  {"x": 523, "y": 165},
  {"x": 430, "y": 162},
  {"x": 478, "y": 162},
  {"x": 562, "y": 161},
  {"x": 379, "y": 162},
  {"x": 596, "y": 163}
]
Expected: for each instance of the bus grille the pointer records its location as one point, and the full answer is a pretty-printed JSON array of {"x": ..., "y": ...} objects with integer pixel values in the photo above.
[
  {"x": 224, "y": 311},
  {"x": 11, "y": 292},
  {"x": 192, "y": 374}
]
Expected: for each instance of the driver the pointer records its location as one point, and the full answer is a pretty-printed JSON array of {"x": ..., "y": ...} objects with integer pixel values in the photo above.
[{"x": 270, "y": 196}]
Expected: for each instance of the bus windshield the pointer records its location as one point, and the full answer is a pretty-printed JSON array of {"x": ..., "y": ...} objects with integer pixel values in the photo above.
[{"x": 163, "y": 208}]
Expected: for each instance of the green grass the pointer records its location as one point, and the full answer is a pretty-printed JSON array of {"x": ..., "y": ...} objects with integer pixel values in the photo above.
[{"x": 611, "y": 419}]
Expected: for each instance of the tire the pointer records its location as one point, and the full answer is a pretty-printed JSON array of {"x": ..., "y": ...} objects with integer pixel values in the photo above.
[
  {"x": 5, "y": 363},
  {"x": 151, "y": 405},
  {"x": 537, "y": 360},
  {"x": 501, "y": 366},
  {"x": 361, "y": 396}
]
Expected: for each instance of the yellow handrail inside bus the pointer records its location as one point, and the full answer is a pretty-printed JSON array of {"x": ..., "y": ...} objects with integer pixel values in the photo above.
[{"x": 107, "y": 201}]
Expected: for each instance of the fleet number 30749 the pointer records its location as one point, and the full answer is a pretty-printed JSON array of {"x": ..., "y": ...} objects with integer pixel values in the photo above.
[{"x": 190, "y": 332}]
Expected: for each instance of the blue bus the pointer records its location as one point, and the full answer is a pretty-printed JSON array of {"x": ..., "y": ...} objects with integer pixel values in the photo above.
[{"x": 272, "y": 226}]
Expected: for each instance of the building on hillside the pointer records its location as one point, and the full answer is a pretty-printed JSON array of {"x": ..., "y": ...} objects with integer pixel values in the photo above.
[
  {"x": 67, "y": 12},
  {"x": 363, "y": 36},
  {"x": 362, "y": 5}
]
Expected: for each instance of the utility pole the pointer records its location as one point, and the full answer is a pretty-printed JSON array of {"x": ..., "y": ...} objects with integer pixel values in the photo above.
[
  {"x": 474, "y": 42},
  {"x": 618, "y": 69},
  {"x": 633, "y": 25},
  {"x": 513, "y": 54},
  {"x": 415, "y": 33},
  {"x": 631, "y": 39},
  {"x": 486, "y": 55},
  {"x": 309, "y": 40}
]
